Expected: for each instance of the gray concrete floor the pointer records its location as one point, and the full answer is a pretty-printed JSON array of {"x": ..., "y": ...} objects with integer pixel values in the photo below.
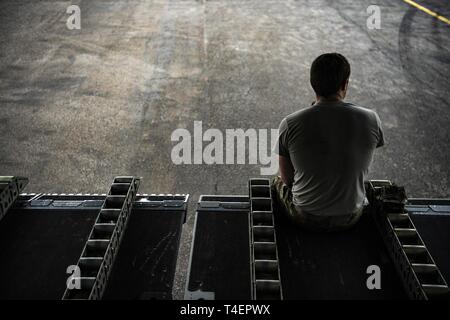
[{"x": 79, "y": 107}]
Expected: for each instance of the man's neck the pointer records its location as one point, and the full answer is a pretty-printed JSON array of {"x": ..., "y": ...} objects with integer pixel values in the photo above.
[{"x": 329, "y": 99}]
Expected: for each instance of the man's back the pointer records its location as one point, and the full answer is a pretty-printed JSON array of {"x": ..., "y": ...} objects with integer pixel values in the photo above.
[{"x": 330, "y": 146}]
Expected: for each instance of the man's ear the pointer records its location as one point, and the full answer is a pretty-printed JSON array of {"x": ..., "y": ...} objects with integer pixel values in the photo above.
[{"x": 345, "y": 85}]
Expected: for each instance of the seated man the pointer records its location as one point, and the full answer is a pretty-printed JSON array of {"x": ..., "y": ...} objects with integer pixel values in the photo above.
[{"x": 325, "y": 151}]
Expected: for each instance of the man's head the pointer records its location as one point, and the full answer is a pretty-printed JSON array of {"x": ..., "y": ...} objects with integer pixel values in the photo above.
[{"x": 329, "y": 76}]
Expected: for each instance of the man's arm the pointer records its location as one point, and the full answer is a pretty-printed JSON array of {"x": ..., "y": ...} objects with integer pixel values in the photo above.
[
  {"x": 286, "y": 170},
  {"x": 380, "y": 133},
  {"x": 284, "y": 161}
]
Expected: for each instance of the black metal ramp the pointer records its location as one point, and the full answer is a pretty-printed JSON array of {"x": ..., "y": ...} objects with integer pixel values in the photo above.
[
  {"x": 37, "y": 244},
  {"x": 146, "y": 262},
  {"x": 40, "y": 238},
  {"x": 219, "y": 266},
  {"x": 312, "y": 266},
  {"x": 334, "y": 265},
  {"x": 323, "y": 265}
]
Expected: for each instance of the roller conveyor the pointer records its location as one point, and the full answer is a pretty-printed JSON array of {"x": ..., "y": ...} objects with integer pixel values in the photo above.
[
  {"x": 10, "y": 188},
  {"x": 99, "y": 253},
  {"x": 266, "y": 279},
  {"x": 421, "y": 277}
]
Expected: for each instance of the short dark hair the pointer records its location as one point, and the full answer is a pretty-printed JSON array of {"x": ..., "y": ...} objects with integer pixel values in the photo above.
[{"x": 328, "y": 73}]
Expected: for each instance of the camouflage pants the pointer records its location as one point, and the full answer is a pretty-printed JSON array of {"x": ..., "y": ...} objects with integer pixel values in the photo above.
[{"x": 282, "y": 195}]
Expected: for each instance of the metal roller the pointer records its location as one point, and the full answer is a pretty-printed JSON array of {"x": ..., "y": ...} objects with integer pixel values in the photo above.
[
  {"x": 10, "y": 188},
  {"x": 266, "y": 280},
  {"x": 420, "y": 275},
  {"x": 100, "y": 250}
]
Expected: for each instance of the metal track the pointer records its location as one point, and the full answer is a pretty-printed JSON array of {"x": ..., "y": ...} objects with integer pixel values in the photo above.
[
  {"x": 265, "y": 267},
  {"x": 421, "y": 276},
  {"x": 101, "y": 248},
  {"x": 10, "y": 188}
]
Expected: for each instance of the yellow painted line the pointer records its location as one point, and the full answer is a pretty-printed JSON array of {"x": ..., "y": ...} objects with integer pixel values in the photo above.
[{"x": 431, "y": 13}]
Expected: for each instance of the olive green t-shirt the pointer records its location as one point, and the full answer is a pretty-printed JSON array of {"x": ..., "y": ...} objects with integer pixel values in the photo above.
[{"x": 330, "y": 145}]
